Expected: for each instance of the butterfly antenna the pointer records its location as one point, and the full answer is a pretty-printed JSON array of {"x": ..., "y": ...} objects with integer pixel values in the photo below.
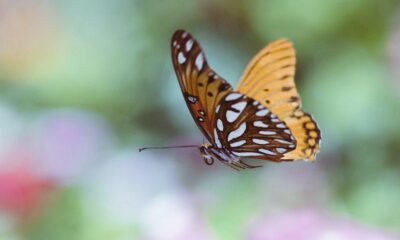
[{"x": 182, "y": 146}]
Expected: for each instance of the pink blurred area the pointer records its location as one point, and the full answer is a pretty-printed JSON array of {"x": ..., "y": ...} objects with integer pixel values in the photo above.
[
  {"x": 22, "y": 192},
  {"x": 67, "y": 142},
  {"x": 312, "y": 224}
]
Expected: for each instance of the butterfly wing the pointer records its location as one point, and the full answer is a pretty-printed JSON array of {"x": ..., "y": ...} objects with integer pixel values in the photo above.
[
  {"x": 269, "y": 79},
  {"x": 249, "y": 129},
  {"x": 202, "y": 88}
]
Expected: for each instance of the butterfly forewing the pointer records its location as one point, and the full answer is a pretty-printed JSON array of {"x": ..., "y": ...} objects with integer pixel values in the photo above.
[
  {"x": 269, "y": 79},
  {"x": 249, "y": 129},
  {"x": 202, "y": 88}
]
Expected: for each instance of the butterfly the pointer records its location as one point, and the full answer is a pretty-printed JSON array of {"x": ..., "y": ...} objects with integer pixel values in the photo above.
[{"x": 262, "y": 119}]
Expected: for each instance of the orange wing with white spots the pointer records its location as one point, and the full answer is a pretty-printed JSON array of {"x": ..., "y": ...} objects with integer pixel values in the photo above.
[
  {"x": 269, "y": 79},
  {"x": 202, "y": 88}
]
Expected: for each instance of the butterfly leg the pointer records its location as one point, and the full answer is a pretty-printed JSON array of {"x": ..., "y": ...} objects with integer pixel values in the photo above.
[
  {"x": 239, "y": 165},
  {"x": 243, "y": 165},
  {"x": 249, "y": 166},
  {"x": 232, "y": 165}
]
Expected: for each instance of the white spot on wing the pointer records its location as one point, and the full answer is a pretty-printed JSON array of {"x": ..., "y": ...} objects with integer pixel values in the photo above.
[
  {"x": 282, "y": 141},
  {"x": 260, "y": 124},
  {"x": 267, "y": 132},
  {"x": 238, "y": 143},
  {"x": 238, "y": 132},
  {"x": 260, "y": 141},
  {"x": 184, "y": 34},
  {"x": 217, "y": 108},
  {"x": 266, "y": 151},
  {"x": 189, "y": 45},
  {"x": 216, "y": 139},
  {"x": 231, "y": 116},
  {"x": 239, "y": 106},
  {"x": 287, "y": 131},
  {"x": 280, "y": 125},
  {"x": 220, "y": 125},
  {"x": 246, "y": 154},
  {"x": 281, "y": 150},
  {"x": 262, "y": 113},
  {"x": 233, "y": 96},
  {"x": 199, "y": 61},
  {"x": 191, "y": 99},
  {"x": 181, "y": 58}
]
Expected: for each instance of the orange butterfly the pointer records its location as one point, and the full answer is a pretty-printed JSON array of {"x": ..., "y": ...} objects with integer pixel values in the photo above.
[{"x": 262, "y": 119}]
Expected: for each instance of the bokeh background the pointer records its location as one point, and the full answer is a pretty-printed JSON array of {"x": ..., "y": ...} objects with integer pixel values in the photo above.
[{"x": 84, "y": 84}]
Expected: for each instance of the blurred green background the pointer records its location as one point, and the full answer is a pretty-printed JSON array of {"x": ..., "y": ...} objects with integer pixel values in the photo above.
[{"x": 84, "y": 84}]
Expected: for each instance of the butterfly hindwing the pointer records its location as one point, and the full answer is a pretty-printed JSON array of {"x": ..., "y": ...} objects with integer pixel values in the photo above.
[
  {"x": 248, "y": 129},
  {"x": 307, "y": 133},
  {"x": 201, "y": 86},
  {"x": 269, "y": 79}
]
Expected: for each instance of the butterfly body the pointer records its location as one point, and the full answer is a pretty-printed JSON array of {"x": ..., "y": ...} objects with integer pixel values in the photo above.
[
  {"x": 261, "y": 120},
  {"x": 211, "y": 153}
]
